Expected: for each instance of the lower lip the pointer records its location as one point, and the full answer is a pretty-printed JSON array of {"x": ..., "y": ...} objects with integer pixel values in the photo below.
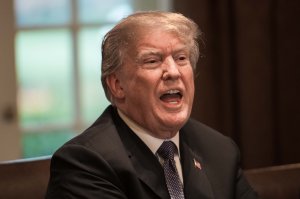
[{"x": 172, "y": 104}]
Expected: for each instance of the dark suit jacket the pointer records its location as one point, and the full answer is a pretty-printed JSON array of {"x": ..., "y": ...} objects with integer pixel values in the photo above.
[{"x": 109, "y": 161}]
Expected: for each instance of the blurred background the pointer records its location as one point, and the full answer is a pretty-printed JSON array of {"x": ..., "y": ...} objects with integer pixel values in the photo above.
[{"x": 247, "y": 84}]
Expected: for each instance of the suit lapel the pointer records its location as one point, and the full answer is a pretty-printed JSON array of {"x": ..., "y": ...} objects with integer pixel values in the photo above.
[
  {"x": 145, "y": 163},
  {"x": 196, "y": 183},
  {"x": 149, "y": 171}
]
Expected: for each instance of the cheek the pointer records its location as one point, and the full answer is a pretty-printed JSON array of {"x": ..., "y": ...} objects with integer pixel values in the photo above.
[
  {"x": 190, "y": 85},
  {"x": 189, "y": 78},
  {"x": 191, "y": 91},
  {"x": 140, "y": 88},
  {"x": 147, "y": 80}
]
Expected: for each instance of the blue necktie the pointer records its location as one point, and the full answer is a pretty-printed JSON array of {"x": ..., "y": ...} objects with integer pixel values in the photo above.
[{"x": 166, "y": 152}]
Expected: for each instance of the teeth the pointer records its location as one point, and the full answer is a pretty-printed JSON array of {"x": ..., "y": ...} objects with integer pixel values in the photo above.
[{"x": 173, "y": 91}]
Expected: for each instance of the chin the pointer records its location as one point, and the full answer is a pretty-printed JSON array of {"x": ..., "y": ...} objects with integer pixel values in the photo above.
[
  {"x": 176, "y": 123},
  {"x": 173, "y": 118}
]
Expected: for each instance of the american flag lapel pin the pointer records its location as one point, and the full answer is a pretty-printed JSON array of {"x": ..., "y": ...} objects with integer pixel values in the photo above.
[{"x": 197, "y": 164}]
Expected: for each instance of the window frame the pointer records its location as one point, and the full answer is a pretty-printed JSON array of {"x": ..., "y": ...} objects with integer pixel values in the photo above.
[{"x": 78, "y": 124}]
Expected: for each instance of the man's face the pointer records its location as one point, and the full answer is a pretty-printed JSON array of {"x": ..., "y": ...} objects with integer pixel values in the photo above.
[{"x": 157, "y": 83}]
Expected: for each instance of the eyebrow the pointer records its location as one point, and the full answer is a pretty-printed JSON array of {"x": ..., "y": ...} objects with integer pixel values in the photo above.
[
  {"x": 149, "y": 52},
  {"x": 158, "y": 52}
]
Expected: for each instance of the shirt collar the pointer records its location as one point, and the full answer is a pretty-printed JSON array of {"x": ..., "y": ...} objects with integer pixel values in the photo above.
[{"x": 152, "y": 142}]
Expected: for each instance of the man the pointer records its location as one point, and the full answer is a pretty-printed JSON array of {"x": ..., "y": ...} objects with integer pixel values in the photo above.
[{"x": 144, "y": 145}]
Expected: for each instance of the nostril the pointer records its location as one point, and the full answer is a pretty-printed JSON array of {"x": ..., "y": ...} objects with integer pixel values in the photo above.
[{"x": 170, "y": 75}]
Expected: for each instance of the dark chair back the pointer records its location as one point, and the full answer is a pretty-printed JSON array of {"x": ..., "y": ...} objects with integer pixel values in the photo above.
[
  {"x": 278, "y": 182},
  {"x": 25, "y": 178}
]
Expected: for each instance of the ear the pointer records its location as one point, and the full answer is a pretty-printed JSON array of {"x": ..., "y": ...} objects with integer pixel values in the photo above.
[{"x": 114, "y": 86}]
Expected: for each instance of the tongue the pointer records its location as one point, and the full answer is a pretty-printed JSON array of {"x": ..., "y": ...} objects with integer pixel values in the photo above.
[{"x": 170, "y": 97}]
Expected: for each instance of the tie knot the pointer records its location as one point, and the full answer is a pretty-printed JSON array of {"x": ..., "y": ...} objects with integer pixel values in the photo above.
[{"x": 167, "y": 150}]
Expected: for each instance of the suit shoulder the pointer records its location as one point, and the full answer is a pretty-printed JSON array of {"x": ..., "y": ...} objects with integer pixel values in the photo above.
[
  {"x": 196, "y": 133},
  {"x": 101, "y": 130},
  {"x": 197, "y": 128}
]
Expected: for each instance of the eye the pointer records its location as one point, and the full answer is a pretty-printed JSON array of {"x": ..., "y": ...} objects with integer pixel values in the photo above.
[
  {"x": 181, "y": 59},
  {"x": 151, "y": 62}
]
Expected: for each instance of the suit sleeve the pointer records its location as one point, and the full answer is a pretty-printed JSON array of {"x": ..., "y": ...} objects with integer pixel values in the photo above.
[
  {"x": 77, "y": 172},
  {"x": 243, "y": 189}
]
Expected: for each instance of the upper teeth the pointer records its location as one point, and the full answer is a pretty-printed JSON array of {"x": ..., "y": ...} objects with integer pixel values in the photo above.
[{"x": 173, "y": 91}]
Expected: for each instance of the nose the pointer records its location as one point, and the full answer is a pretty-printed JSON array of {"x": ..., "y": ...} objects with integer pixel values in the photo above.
[{"x": 170, "y": 69}]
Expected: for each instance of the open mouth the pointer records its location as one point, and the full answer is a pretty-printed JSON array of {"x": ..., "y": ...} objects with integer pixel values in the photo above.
[{"x": 171, "y": 96}]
